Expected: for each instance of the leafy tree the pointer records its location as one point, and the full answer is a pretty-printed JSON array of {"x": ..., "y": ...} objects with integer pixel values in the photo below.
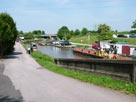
[
  {"x": 34, "y": 32},
  {"x": 8, "y": 33},
  {"x": 29, "y": 35},
  {"x": 84, "y": 31},
  {"x": 93, "y": 32},
  {"x": 38, "y": 32},
  {"x": 43, "y": 32},
  {"x": 116, "y": 31},
  {"x": 77, "y": 32},
  {"x": 104, "y": 32},
  {"x": 133, "y": 31},
  {"x": 72, "y": 32},
  {"x": 20, "y": 32},
  {"x": 134, "y": 25},
  {"x": 64, "y": 33}
]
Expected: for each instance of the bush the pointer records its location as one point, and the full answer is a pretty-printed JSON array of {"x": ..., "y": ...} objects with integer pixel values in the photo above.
[{"x": 8, "y": 34}]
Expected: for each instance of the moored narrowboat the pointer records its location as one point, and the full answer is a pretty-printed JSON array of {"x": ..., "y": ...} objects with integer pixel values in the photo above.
[
  {"x": 99, "y": 54},
  {"x": 86, "y": 52}
]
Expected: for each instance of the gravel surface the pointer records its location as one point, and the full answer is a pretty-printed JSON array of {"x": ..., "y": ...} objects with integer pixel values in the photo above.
[{"x": 40, "y": 85}]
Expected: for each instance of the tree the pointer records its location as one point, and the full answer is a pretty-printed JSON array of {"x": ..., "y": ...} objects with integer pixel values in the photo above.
[
  {"x": 64, "y": 33},
  {"x": 133, "y": 31},
  {"x": 134, "y": 27},
  {"x": 84, "y": 31},
  {"x": 43, "y": 32},
  {"x": 28, "y": 35},
  {"x": 77, "y": 32},
  {"x": 93, "y": 32},
  {"x": 8, "y": 34},
  {"x": 71, "y": 32},
  {"x": 20, "y": 32},
  {"x": 38, "y": 32},
  {"x": 104, "y": 32}
]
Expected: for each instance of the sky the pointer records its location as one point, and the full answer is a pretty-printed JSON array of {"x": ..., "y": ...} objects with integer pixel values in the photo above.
[{"x": 50, "y": 15}]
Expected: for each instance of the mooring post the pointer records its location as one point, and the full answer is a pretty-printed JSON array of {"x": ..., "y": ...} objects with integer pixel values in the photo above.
[
  {"x": 93, "y": 67},
  {"x": 134, "y": 73}
]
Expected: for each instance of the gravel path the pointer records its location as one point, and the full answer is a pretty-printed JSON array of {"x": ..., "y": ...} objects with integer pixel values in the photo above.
[{"x": 40, "y": 85}]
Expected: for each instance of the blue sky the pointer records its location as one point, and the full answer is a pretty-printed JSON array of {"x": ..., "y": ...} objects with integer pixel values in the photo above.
[{"x": 50, "y": 15}]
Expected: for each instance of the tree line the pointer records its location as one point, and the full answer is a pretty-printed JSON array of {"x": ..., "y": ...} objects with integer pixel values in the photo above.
[
  {"x": 31, "y": 34},
  {"x": 65, "y": 33},
  {"x": 103, "y": 32}
]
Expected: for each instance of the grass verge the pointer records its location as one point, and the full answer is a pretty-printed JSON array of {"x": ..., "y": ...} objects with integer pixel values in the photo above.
[
  {"x": 48, "y": 62},
  {"x": 84, "y": 39},
  {"x": 93, "y": 38}
]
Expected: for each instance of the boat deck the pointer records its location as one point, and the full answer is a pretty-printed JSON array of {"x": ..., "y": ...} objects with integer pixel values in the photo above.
[{"x": 99, "y": 54}]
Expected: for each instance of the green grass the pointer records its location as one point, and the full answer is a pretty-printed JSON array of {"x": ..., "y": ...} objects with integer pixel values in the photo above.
[
  {"x": 85, "y": 40},
  {"x": 105, "y": 81},
  {"x": 93, "y": 38},
  {"x": 24, "y": 45},
  {"x": 129, "y": 40}
]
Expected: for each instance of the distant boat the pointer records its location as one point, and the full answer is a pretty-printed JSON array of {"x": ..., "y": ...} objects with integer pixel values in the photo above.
[{"x": 41, "y": 43}]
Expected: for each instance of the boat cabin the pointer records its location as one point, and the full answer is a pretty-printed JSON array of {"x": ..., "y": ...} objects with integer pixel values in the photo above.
[{"x": 123, "y": 48}]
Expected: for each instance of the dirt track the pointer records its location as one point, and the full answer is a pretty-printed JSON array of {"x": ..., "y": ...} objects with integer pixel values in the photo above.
[{"x": 40, "y": 85}]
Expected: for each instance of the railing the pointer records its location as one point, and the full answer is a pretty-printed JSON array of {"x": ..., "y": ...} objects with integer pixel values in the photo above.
[{"x": 119, "y": 69}]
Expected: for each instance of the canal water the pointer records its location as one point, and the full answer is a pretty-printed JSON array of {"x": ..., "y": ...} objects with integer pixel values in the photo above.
[{"x": 58, "y": 52}]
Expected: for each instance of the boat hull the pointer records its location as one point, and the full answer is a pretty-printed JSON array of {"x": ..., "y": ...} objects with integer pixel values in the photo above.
[
  {"x": 88, "y": 53},
  {"x": 93, "y": 54}
]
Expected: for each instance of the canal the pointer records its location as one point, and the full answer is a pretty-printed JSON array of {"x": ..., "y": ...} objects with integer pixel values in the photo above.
[{"x": 58, "y": 52}]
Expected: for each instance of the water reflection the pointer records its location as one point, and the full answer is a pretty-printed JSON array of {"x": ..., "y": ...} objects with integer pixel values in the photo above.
[{"x": 56, "y": 52}]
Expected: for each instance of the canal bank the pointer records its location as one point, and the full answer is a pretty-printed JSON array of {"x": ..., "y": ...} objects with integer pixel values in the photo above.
[
  {"x": 90, "y": 78},
  {"x": 30, "y": 79},
  {"x": 105, "y": 81},
  {"x": 118, "y": 69}
]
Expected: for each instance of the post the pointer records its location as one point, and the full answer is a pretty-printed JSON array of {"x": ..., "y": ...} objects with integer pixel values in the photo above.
[
  {"x": 88, "y": 38},
  {"x": 134, "y": 73}
]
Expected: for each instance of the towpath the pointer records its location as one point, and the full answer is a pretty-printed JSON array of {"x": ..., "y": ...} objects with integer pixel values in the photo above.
[{"x": 36, "y": 84}]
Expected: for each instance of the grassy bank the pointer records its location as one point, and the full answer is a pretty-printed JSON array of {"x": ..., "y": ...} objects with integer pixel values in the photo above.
[
  {"x": 48, "y": 62},
  {"x": 84, "y": 39},
  {"x": 93, "y": 38},
  {"x": 129, "y": 40}
]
